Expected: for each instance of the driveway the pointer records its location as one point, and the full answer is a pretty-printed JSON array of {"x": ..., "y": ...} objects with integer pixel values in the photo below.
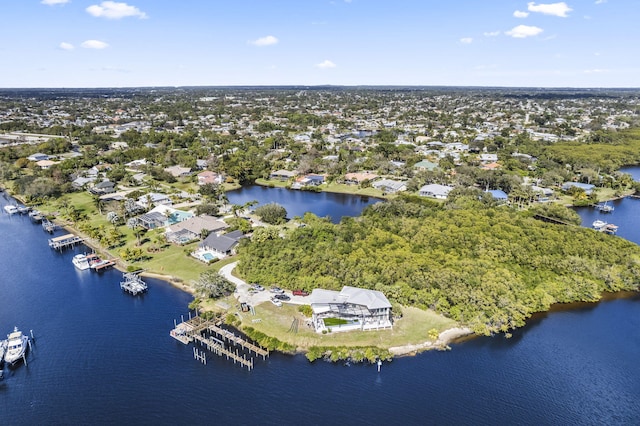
[{"x": 243, "y": 294}]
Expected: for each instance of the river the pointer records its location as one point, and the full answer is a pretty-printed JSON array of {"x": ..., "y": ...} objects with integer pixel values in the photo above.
[{"x": 104, "y": 357}]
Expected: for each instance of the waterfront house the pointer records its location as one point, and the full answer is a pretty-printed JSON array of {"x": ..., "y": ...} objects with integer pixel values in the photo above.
[
  {"x": 152, "y": 220},
  {"x": 222, "y": 245},
  {"x": 435, "y": 190},
  {"x": 358, "y": 178},
  {"x": 351, "y": 308},
  {"x": 390, "y": 186},
  {"x": 586, "y": 187},
  {"x": 282, "y": 175},
  {"x": 192, "y": 228}
]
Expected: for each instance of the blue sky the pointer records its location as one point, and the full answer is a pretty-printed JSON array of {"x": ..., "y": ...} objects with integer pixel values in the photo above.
[{"x": 78, "y": 43}]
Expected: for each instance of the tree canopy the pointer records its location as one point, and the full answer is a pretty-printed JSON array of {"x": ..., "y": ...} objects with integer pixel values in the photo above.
[{"x": 487, "y": 267}]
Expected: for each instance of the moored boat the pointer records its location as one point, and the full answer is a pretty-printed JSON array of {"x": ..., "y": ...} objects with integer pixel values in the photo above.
[
  {"x": 605, "y": 208},
  {"x": 16, "y": 346},
  {"x": 599, "y": 225},
  {"x": 80, "y": 261},
  {"x": 11, "y": 209}
]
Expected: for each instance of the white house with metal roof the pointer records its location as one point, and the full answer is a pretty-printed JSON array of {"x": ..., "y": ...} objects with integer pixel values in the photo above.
[{"x": 350, "y": 309}]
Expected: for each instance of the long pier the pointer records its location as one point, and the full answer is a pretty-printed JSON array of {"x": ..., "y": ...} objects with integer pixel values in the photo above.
[
  {"x": 220, "y": 342},
  {"x": 64, "y": 241}
]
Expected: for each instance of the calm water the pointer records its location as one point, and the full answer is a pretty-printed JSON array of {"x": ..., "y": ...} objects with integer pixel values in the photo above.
[
  {"x": 298, "y": 203},
  {"x": 103, "y": 357}
]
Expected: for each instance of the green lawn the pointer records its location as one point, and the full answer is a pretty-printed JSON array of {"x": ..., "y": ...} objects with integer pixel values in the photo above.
[{"x": 413, "y": 328}]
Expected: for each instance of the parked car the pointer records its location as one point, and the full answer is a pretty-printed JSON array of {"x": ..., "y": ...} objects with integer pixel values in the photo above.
[
  {"x": 276, "y": 290},
  {"x": 282, "y": 297},
  {"x": 276, "y": 301},
  {"x": 300, "y": 293},
  {"x": 257, "y": 287}
]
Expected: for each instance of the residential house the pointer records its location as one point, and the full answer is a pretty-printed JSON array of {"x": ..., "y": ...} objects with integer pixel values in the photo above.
[
  {"x": 191, "y": 229},
  {"x": 435, "y": 190},
  {"x": 154, "y": 199},
  {"x": 38, "y": 157},
  {"x": 588, "y": 188},
  {"x": 351, "y": 308},
  {"x": 282, "y": 175},
  {"x": 390, "y": 186},
  {"x": 178, "y": 171},
  {"x": 152, "y": 220},
  {"x": 209, "y": 177},
  {"x": 45, "y": 164},
  {"x": 223, "y": 245},
  {"x": 102, "y": 188},
  {"x": 425, "y": 165},
  {"x": 488, "y": 158},
  {"x": 358, "y": 178},
  {"x": 498, "y": 195}
]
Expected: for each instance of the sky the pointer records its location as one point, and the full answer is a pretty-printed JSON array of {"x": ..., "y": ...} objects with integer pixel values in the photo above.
[{"x": 508, "y": 43}]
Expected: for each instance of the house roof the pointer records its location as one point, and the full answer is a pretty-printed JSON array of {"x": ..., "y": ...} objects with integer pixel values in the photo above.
[
  {"x": 222, "y": 243},
  {"x": 425, "y": 164},
  {"x": 436, "y": 189},
  {"x": 388, "y": 183},
  {"x": 498, "y": 194},
  {"x": 198, "y": 223},
  {"x": 372, "y": 299},
  {"x": 361, "y": 176}
]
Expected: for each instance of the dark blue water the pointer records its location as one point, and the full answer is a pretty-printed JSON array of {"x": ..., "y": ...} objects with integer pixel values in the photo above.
[
  {"x": 297, "y": 203},
  {"x": 104, "y": 357}
]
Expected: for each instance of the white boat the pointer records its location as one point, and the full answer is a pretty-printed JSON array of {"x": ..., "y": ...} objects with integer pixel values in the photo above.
[
  {"x": 81, "y": 262},
  {"x": 599, "y": 224},
  {"x": 11, "y": 209},
  {"x": 16, "y": 346},
  {"x": 605, "y": 208}
]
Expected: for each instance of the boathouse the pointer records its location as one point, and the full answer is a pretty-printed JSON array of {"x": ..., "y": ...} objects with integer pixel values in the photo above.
[{"x": 350, "y": 309}]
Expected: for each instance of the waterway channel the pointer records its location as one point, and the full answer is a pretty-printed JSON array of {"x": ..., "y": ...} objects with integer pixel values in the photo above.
[{"x": 104, "y": 357}]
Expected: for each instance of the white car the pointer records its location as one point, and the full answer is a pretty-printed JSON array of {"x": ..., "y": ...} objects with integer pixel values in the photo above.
[
  {"x": 276, "y": 290},
  {"x": 276, "y": 302},
  {"x": 257, "y": 287}
]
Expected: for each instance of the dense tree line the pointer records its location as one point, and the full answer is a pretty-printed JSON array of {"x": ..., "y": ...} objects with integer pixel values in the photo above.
[{"x": 489, "y": 268}]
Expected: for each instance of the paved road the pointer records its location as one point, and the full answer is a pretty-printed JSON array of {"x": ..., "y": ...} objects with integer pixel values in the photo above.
[{"x": 243, "y": 294}]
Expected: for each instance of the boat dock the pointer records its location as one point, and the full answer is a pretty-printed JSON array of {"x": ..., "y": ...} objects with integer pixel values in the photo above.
[
  {"x": 64, "y": 241},
  {"x": 220, "y": 341},
  {"x": 133, "y": 284},
  {"x": 49, "y": 226}
]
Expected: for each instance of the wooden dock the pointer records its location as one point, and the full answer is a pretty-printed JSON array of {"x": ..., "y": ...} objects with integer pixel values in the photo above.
[
  {"x": 237, "y": 340},
  {"x": 64, "y": 241},
  {"x": 220, "y": 342}
]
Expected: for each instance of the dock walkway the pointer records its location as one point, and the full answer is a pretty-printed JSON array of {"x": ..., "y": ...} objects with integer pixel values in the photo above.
[
  {"x": 221, "y": 342},
  {"x": 64, "y": 241}
]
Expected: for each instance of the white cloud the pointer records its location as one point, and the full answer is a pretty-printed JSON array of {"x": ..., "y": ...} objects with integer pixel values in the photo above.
[
  {"x": 54, "y": 2},
  {"x": 326, "y": 64},
  {"x": 595, "y": 71},
  {"x": 492, "y": 34},
  {"x": 600, "y": 1},
  {"x": 94, "y": 44},
  {"x": 466, "y": 40},
  {"x": 522, "y": 31},
  {"x": 66, "y": 46},
  {"x": 264, "y": 41},
  {"x": 115, "y": 10},
  {"x": 520, "y": 14},
  {"x": 556, "y": 9}
]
